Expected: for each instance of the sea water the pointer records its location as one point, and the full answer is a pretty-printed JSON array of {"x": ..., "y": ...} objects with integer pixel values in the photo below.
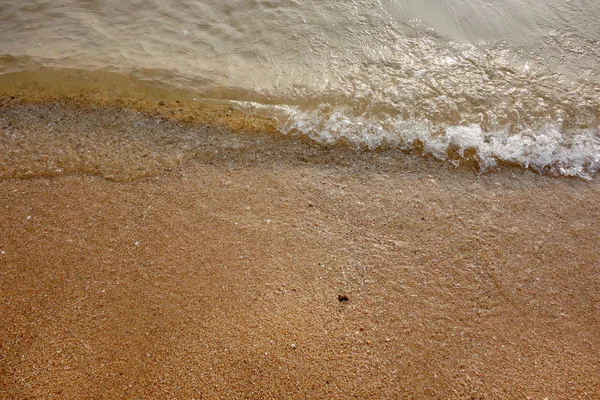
[{"x": 508, "y": 81}]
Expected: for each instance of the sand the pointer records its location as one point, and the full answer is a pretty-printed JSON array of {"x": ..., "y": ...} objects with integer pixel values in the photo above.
[{"x": 224, "y": 276}]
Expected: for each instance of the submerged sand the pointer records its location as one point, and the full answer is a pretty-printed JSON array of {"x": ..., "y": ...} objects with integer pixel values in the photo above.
[{"x": 220, "y": 276}]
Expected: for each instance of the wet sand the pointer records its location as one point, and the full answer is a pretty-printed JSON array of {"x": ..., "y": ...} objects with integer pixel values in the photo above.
[{"x": 223, "y": 275}]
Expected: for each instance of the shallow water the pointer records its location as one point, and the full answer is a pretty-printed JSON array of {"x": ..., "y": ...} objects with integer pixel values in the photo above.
[{"x": 508, "y": 80}]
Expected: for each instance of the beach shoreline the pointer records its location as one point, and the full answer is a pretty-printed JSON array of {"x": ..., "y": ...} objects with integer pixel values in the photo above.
[{"x": 216, "y": 266}]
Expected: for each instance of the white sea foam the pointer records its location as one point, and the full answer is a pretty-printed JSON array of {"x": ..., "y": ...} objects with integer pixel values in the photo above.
[{"x": 546, "y": 150}]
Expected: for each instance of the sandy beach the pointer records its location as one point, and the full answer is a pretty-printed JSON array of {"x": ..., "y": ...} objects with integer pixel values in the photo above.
[{"x": 281, "y": 269}]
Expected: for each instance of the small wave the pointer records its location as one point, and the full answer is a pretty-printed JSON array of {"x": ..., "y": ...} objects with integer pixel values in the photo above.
[{"x": 548, "y": 149}]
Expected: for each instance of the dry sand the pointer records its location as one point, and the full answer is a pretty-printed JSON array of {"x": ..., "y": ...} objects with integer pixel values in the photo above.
[{"x": 221, "y": 278}]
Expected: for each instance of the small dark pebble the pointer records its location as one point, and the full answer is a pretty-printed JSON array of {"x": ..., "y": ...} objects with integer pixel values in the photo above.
[
  {"x": 161, "y": 103},
  {"x": 343, "y": 297}
]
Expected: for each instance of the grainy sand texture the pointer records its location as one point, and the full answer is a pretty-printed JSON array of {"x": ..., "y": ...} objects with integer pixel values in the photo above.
[{"x": 257, "y": 267}]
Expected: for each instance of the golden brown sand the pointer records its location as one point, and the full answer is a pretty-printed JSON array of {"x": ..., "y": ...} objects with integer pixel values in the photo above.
[{"x": 221, "y": 279}]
